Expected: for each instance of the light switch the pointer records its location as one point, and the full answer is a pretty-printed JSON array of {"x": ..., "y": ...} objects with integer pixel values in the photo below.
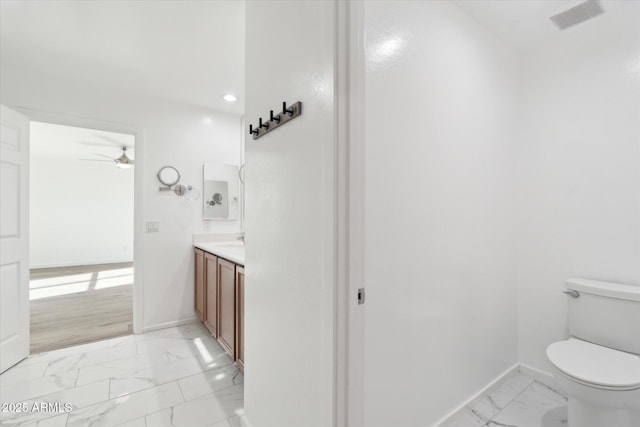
[{"x": 153, "y": 226}]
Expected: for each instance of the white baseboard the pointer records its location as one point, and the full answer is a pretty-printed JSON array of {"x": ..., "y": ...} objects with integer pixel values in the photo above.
[
  {"x": 541, "y": 376},
  {"x": 485, "y": 390},
  {"x": 171, "y": 324},
  {"x": 79, "y": 264},
  {"x": 244, "y": 422}
]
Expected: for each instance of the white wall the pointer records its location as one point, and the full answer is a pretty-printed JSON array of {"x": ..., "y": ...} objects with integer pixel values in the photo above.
[
  {"x": 579, "y": 171},
  {"x": 171, "y": 133},
  {"x": 440, "y": 315},
  {"x": 290, "y": 215},
  {"x": 80, "y": 212}
]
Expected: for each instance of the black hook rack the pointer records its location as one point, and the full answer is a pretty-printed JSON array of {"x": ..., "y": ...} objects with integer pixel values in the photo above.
[{"x": 275, "y": 121}]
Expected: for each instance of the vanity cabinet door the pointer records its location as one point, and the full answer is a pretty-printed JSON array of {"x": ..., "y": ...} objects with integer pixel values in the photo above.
[
  {"x": 199, "y": 284},
  {"x": 227, "y": 306},
  {"x": 240, "y": 317},
  {"x": 211, "y": 293}
]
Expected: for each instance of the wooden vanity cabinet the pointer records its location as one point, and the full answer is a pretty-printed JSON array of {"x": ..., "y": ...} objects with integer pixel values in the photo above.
[
  {"x": 240, "y": 317},
  {"x": 199, "y": 282},
  {"x": 219, "y": 301},
  {"x": 211, "y": 293},
  {"x": 226, "y": 306}
]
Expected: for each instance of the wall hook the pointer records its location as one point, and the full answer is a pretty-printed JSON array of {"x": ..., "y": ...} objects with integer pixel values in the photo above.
[
  {"x": 285, "y": 111},
  {"x": 275, "y": 121}
]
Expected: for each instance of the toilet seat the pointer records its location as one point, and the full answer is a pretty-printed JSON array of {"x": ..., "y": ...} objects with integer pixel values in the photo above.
[{"x": 595, "y": 365}]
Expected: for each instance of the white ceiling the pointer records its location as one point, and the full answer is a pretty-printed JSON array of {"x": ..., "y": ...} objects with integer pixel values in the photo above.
[
  {"x": 183, "y": 50},
  {"x": 192, "y": 51},
  {"x": 524, "y": 23},
  {"x": 72, "y": 143}
]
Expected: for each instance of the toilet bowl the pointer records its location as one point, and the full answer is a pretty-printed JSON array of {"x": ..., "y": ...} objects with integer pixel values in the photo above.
[
  {"x": 599, "y": 365},
  {"x": 603, "y": 384}
]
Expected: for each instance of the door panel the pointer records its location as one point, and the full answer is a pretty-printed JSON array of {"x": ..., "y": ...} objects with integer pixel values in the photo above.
[
  {"x": 14, "y": 237},
  {"x": 211, "y": 293},
  {"x": 240, "y": 317},
  {"x": 199, "y": 284},
  {"x": 227, "y": 306},
  {"x": 10, "y": 209},
  {"x": 9, "y": 274}
]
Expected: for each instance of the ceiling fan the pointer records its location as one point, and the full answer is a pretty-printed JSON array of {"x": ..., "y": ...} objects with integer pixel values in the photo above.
[{"x": 123, "y": 161}]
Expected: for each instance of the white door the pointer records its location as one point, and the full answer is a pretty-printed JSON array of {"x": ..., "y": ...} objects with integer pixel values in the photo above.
[{"x": 14, "y": 237}]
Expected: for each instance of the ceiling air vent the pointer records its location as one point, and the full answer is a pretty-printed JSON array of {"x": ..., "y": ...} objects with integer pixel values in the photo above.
[{"x": 577, "y": 14}]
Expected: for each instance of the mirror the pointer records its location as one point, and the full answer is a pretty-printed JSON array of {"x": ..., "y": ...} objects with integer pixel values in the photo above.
[
  {"x": 216, "y": 206},
  {"x": 168, "y": 175},
  {"x": 221, "y": 192}
]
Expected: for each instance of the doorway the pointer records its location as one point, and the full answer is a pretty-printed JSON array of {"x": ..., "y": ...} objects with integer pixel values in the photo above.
[{"x": 81, "y": 196}]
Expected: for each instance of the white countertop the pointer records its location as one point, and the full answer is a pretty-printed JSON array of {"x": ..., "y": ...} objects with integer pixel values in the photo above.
[{"x": 231, "y": 250}]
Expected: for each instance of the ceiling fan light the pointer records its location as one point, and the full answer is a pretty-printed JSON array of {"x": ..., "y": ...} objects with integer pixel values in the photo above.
[{"x": 124, "y": 161}]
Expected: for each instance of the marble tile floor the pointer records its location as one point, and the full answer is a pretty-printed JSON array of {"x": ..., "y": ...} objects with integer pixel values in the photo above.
[
  {"x": 519, "y": 401},
  {"x": 172, "y": 377}
]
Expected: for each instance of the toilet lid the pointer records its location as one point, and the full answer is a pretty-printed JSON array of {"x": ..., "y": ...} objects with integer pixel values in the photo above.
[{"x": 595, "y": 364}]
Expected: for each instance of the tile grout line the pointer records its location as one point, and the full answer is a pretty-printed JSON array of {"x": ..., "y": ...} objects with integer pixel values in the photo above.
[
  {"x": 512, "y": 400},
  {"x": 553, "y": 390},
  {"x": 115, "y": 398},
  {"x": 203, "y": 371},
  {"x": 157, "y": 385},
  {"x": 180, "y": 388},
  {"x": 70, "y": 389},
  {"x": 110, "y": 379},
  {"x": 75, "y": 383},
  {"x": 52, "y": 392},
  {"x": 493, "y": 404}
]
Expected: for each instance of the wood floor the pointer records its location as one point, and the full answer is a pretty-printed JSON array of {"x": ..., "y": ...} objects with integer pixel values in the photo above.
[{"x": 75, "y": 305}]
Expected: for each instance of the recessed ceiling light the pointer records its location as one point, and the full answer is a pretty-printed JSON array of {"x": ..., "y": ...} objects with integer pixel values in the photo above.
[{"x": 230, "y": 98}]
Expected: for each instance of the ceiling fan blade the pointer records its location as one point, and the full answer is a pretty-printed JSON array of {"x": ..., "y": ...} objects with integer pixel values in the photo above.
[
  {"x": 96, "y": 160},
  {"x": 102, "y": 155},
  {"x": 110, "y": 139},
  {"x": 95, "y": 144}
]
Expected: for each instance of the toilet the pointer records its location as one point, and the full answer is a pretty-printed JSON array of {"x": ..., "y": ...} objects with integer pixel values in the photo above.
[{"x": 599, "y": 365}]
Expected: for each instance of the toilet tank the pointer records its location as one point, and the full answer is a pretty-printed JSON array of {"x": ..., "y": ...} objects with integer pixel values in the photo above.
[{"x": 605, "y": 313}]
